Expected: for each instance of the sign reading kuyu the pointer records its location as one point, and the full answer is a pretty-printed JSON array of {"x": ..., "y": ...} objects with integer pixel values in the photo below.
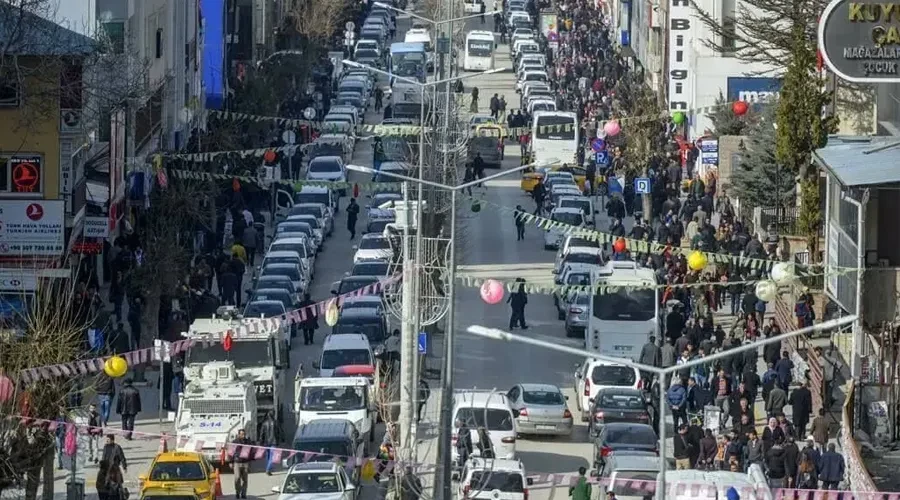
[{"x": 860, "y": 40}]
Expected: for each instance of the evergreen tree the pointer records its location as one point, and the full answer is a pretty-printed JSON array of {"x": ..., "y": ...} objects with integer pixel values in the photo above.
[
  {"x": 725, "y": 121},
  {"x": 758, "y": 179}
]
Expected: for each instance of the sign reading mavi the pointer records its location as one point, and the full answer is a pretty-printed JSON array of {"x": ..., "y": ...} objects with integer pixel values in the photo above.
[{"x": 32, "y": 228}]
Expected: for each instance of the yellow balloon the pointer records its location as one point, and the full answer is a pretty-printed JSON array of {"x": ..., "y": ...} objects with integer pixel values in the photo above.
[
  {"x": 115, "y": 366},
  {"x": 697, "y": 261},
  {"x": 331, "y": 314}
]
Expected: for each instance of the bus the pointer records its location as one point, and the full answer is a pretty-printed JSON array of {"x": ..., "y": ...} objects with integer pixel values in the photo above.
[
  {"x": 409, "y": 60},
  {"x": 479, "y": 51},
  {"x": 554, "y": 134},
  {"x": 624, "y": 311}
]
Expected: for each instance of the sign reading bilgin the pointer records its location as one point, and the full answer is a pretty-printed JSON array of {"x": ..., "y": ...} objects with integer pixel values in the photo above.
[{"x": 860, "y": 40}]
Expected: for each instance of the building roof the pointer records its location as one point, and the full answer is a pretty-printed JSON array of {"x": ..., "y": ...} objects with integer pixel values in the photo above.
[
  {"x": 25, "y": 33},
  {"x": 861, "y": 161}
]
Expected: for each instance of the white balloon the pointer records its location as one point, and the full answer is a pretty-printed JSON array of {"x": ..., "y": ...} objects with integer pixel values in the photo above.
[
  {"x": 766, "y": 291},
  {"x": 783, "y": 272}
]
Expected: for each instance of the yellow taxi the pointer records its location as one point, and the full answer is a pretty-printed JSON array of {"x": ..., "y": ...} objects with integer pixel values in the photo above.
[
  {"x": 532, "y": 179},
  {"x": 173, "y": 493},
  {"x": 181, "y": 469}
]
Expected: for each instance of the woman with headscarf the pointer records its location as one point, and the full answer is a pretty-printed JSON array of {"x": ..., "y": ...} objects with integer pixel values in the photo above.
[{"x": 771, "y": 433}]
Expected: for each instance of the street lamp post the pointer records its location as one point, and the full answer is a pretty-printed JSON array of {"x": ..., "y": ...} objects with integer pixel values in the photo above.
[
  {"x": 661, "y": 373},
  {"x": 442, "y": 481}
]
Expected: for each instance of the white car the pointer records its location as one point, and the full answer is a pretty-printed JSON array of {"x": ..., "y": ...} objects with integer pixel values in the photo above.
[
  {"x": 327, "y": 168},
  {"x": 315, "y": 223},
  {"x": 567, "y": 217},
  {"x": 317, "y": 210},
  {"x": 316, "y": 481},
  {"x": 373, "y": 247},
  {"x": 594, "y": 375},
  {"x": 494, "y": 479},
  {"x": 489, "y": 409},
  {"x": 532, "y": 76}
]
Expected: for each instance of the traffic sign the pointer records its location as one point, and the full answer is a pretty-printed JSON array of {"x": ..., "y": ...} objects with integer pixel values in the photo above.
[
  {"x": 598, "y": 144},
  {"x": 422, "y": 343},
  {"x": 642, "y": 185},
  {"x": 602, "y": 157},
  {"x": 289, "y": 137},
  {"x": 349, "y": 26}
]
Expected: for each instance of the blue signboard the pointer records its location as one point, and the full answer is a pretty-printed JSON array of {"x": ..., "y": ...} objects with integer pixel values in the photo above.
[
  {"x": 598, "y": 144},
  {"x": 214, "y": 69},
  {"x": 614, "y": 184},
  {"x": 642, "y": 185},
  {"x": 752, "y": 89},
  {"x": 602, "y": 157},
  {"x": 422, "y": 343}
]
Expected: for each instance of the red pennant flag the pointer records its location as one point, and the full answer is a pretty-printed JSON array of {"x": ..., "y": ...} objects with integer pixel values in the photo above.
[
  {"x": 259, "y": 453},
  {"x": 198, "y": 445},
  {"x": 276, "y": 455},
  {"x": 245, "y": 452}
]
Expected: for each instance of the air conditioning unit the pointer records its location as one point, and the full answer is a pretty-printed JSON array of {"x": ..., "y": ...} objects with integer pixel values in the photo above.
[{"x": 70, "y": 121}]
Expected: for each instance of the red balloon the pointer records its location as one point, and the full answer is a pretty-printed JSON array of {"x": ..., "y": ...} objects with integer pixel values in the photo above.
[
  {"x": 269, "y": 156},
  {"x": 226, "y": 344},
  {"x": 619, "y": 245},
  {"x": 740, "y": 108}
]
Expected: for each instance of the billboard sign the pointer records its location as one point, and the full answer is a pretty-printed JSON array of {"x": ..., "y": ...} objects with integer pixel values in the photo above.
[
  {"x": 859, "y": 41},
  {"x": 752, "y": 89},
  {"x": 681, "y": 75},
  {"x": 32, "y": 228},
  {"x": 214, "y": 69}
]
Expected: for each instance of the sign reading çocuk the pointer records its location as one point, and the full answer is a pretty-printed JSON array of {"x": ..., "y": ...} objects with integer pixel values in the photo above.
[{"x": 860, "y": 40}]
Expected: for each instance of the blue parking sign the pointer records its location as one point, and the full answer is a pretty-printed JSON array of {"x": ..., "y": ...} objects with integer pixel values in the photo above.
[
  {"x": 602, "y": 157},
  {"x": 422, "y": 343},
  {"x": 642, "y": 185}
]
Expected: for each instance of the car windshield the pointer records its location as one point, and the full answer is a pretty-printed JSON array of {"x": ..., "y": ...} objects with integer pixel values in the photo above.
[
  {"x": 374, "y": 244},
  {"x": 314, "y": 210},
  {"x": 290, "y": 247},
  {"x": 310, "y": 483},
  {"x": 550, "y": 398},
  {"x": 321, "y": 198},
  {"x": 271, "y": 294},
  {"x": 264, "y": 309},
  {"x": 583, "y": 258},
  {"x": 329, "y": 166},
  {"x": 631, "y": 435},
  {"x": 507, "y": 482},
  {"x": 584, "y": 205},
  {"x": 377, "y": 226},
  {"x": 613, "y": 375},
  {"x": 572, "y": 219},
  {"x": 366, "y": 53},
  {"x": 490, "y": 418},
  {"x": 372, "y": 328},
  {"x": 343, "y": 398},
  {"x": 312, "y": 221},
  {"x": 625, "y": 304},
  {"x": 281, "y": 260},
  {"x": 326, "y": 149},
  {"x": 621, "y": 401},
  {"x": 370, "y": 269},
  {"x": 321, "y": 451},
  {"x": 355, "y": 284},
  {"x": 578, "y": 279},
  {"x": 334, "y": 358},
  {"x": 290, "y": 271},
  {"x": 244, "y": 354},
  {"x": 632, "y": 483},
  {"x": 177, "y": 471}
]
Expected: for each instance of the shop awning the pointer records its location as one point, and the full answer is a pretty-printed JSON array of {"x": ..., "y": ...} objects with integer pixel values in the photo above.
[
  {"x": 861, "y": 161},
  {"x": 97, "y": 194}
]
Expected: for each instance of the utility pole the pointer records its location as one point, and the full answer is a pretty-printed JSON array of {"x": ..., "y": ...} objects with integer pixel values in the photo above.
[{"x": 407, "y": 335}]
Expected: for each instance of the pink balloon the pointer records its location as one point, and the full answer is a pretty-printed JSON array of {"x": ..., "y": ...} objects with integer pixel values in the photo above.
[
  {"x": 492, "y": 291},
  {"x": 612, "y": 128},
  {"x": 6, "y": 389}
]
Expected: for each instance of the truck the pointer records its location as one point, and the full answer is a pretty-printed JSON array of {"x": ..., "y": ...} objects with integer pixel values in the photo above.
[
  {"x": 259, "y": 352},
  {"x": 215, "y": 405},
  {"x": 345, "y": 397}
]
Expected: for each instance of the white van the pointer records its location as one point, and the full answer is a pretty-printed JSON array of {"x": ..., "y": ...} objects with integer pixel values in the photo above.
[
  {"x": 344, "y": 349},
  {"x": 347, "y": 398},
  {"x": 594, "y": 375},
  {"x": 488, "y": 409},
  {"x": 494, "y": 479}
]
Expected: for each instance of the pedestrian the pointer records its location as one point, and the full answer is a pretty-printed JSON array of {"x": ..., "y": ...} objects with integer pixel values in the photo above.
[
  {"x": 582, "y": 488},
  {"x": 379, "y": 95},
  {"x": 478, "y": 166},
  {"x": 494, "y": 106},
  {"x": 775, "y": 464},
  {"x": 520, "y": 223},
  {"x": 386, "y": 452},
  {"x": 754, "y": 453},
  {"x": 473, "y": 107},
  {"x": 708, "y": 448},
  {"x": 785, "y": 370},
  {"x": 463, "y": 441},
  {"x": 771, "y": 433},
  {"x": 105, "y": 388},
  {"x": 831, "y": 468},
  {"x": 481, "y": 12},
  {"x": 310, "y": 321},
  {"x": 820, "y": 429},
  {"x": 249, "y": 240},
  {"x": 791, "y": 461},
  {"x": 268, "y": 437},
  {"x": 517, "y": 301},
  {"x": 95, "y": 430},
  {"x": 424, "y": 394},
  {"x": 352, "y": 215},
  {"x": 676, "y": 398},
  {"x": 128, "y": 406},
  {"x": 113, "y": 454},
  {"x": 100, "y": 482},
  {"x": 776, "y": 401},
  {"x": 59, "y": 435},
  {"x": 241, "y": 463},
  {"x": 830, "y": 366},
  {"x": 801, "y": 404},
  {"x": 501, "y": 108},
  {"x": 667, "y": 355},
  {"x": 485, "y": 445},
  {"x": 538, "y": 194},
  {"x": 683, "y": 448},
  {"x": 807, "y": 477}
]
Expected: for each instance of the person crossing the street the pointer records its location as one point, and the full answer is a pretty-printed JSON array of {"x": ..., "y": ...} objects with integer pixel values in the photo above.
[
  {"x": 352, "y": 216},
  {"x": 241, "y": 458}
]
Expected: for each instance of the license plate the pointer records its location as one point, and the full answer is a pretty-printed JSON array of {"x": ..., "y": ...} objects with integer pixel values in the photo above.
[
  {"x": 545, "y": 427},
  {"x": 622, "y": 347}
]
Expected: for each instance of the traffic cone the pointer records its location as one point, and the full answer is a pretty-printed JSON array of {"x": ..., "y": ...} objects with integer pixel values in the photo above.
[
  {"x": 218, "y": 484},
  {"x": 163, "y": 444}
]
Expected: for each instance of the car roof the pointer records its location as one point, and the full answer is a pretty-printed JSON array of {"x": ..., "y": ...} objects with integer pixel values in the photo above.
[
  {"x": 477, "y": 398},
  {"x": 307, "y": 467},
  {"x": 326, "y": 158},
  {"x": 540, "y": 387},
  {"x": 310, "y": 205},
  {"x": 496, "y": 464},
  {"x": 587, "y": 250},
  {"x": 374, "y": 300},
  {"x": 178, "y": 456},
  {"x": 279, "y": 265},
  {"x": 279, "y": 253},
  {"x": 324, "y": 429},
  {"x": 575, "y": 197},
  {"x": 361, "y": 313},
  {"x": 267, "y": 302},
  {"x": 269, "y": 290},
  {"x": 565, "y": 210},
  {"x": 346, "y": 340},
  {"x": 372, "y": 236},
  {"x": 313, "y": 189},
  {"x": 291, "y": 241},
  {"x": 635, "y": 462},
  {"x": 603, "y": 362}
]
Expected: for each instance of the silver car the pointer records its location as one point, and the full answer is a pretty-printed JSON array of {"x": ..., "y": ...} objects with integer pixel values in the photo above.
[
  {"x": 540, "y": 409},
  {"x": 577, "y": 315},
  {"x": 318, "y": 211}
]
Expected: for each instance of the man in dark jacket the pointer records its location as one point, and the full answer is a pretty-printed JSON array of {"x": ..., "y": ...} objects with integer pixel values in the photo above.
[
  {"x": 310, "y": 323},
  {"x": 791, "y": 461},
  {"x": 424, "y": 394},
  {"x": 352, "y": 216},
  {"x": 683, "y": 449},
  {"x": 241, "y": 463},
  {"x": 238, "y": 268},
  {"x": 128, "y": 406},
  {"x": 776, "y": 401},
  {"x": 519, "y": 219},
  {"x": 113, "y": 454},
  {"x": 538, "y": 194},
  {"x": 268, "y": 436},
  {"x": 801, "y": 404},
  {"x": 831, "y": 468},
  {"x": 517, "y": 301},
  {"x": 784, "y": 368},
  {"x": 650, "y": 356},
  {"x": 775, "y": 466}
]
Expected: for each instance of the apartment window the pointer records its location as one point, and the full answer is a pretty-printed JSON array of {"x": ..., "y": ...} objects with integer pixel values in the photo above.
[
  {"x": 159, "y": 43},
  {"x": 10, "y": 96},
  {"x": 71, "y": 86},
  {"x": 729, "y": 36},
  {"x": 115, "y": 36}
]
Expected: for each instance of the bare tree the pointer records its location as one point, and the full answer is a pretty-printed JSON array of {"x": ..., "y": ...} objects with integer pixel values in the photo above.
[
  {"x": 318, "y": 20},
  {"x": 50, "y": 331}
]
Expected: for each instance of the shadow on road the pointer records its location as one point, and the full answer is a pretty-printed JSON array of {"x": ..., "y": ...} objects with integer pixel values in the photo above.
[{"x": 552, "y": 463}]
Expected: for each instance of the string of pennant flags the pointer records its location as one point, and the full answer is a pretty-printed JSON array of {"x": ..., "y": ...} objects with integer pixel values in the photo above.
[
  {"x": 279, "y": 455},
  {"x": 153, "y": 354}
]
